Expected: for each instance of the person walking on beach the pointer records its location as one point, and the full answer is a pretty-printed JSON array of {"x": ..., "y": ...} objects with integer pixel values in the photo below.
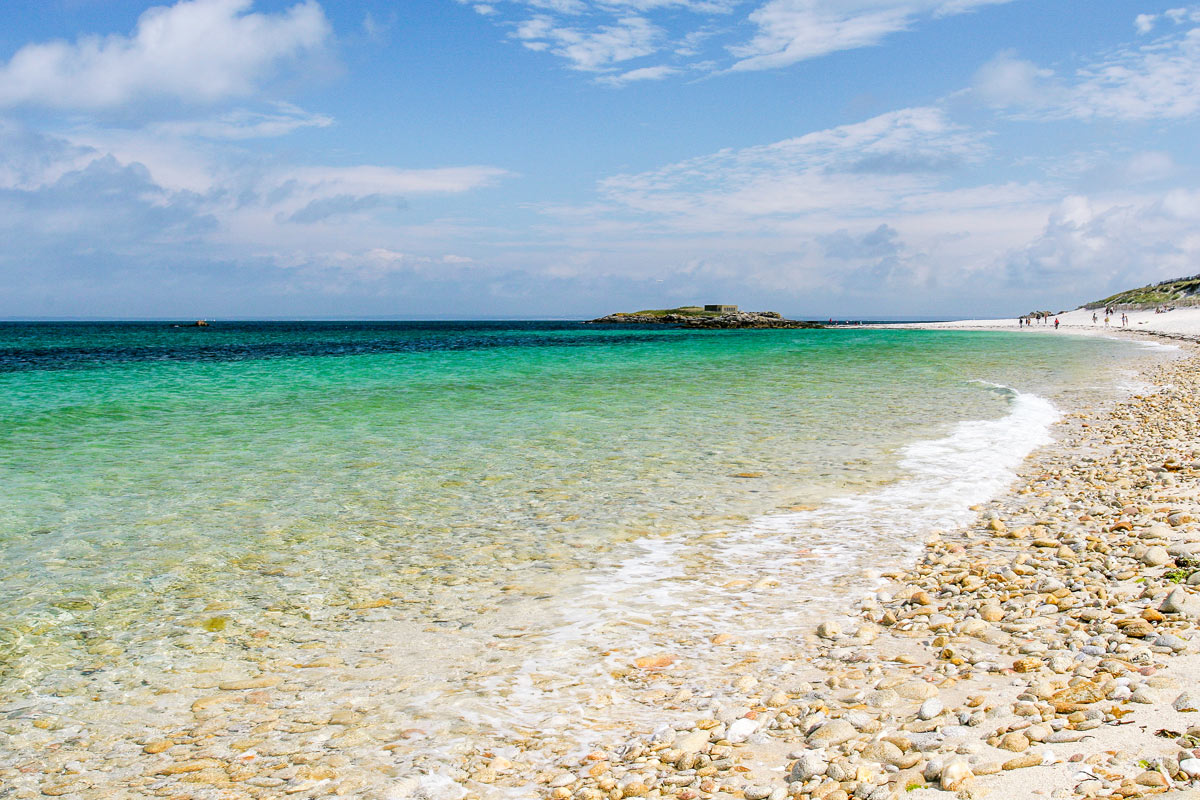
[
  {"x": 1093, "y": 317},
  {"x": 1124, "y": 319},
  {"x": 1106, "y": 320},
  {"x": 1056, "y": 323}
]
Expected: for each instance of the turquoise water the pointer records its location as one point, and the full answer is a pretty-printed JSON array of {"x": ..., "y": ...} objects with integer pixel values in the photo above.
[{"x": 199, "y": 491}]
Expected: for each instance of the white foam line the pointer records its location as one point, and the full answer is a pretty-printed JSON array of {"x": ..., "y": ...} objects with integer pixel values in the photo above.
[
  {"x": 807, "y": 551},
  {"x": 674, "y": 590}
]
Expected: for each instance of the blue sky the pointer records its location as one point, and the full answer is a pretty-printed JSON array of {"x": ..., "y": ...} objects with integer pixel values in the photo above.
[{"x": 559, "y": 158}]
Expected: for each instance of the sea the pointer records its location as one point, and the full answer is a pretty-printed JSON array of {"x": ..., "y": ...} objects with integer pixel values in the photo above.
[{"x": 465, "y": 537}]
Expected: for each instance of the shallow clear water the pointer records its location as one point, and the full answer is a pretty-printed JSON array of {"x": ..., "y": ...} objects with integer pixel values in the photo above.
[{"x": 169, "y": 493}]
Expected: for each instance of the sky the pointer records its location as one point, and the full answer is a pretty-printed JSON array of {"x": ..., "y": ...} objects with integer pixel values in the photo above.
[{"x": 462, "y": 159}]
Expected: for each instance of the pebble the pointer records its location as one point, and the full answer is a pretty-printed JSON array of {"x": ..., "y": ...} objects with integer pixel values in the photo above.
[
  {"x": 955, "y": 775},
  {"x": 831, "y": 733},
  {"x": 1182, "y": 601},
  {"x": 741, "y": 730},
  {"x": 930, "y": 708},
  {"x": 1156, "y": 556},
  {"x": 1013, "y": 742},
  {"x": 829, "y": 630},
  {"x": 1022, "y": 761},
  {"x": 1187, "y": 701},
  {"x": 884, "y": 752},
  {"x": 692, "y": 742},
  {"x": 809, "y": 765},
  {"x": 1172, "y": 641}
]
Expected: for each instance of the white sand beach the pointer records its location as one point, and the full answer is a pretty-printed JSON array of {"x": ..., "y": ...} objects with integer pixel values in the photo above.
[{"x": 1179, "y": 322}]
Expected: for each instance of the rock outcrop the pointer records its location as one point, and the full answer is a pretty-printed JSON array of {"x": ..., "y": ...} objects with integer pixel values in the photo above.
[{"x": 739, "y": 319}]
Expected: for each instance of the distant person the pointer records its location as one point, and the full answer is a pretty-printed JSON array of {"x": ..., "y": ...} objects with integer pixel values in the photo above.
[
  {"x": 1093, "y": 317},
  {"x": 1106, "y": 320},
  {"x": 1056, "y": 323},
  {"x": 1124, "y": 319}
]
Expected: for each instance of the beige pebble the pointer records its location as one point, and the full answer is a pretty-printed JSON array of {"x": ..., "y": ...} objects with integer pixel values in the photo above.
[
  {"x": 261, "y": 682},
  {"x": 1151, "y": 778},
  {"x": 324, "y": 661},
  {"x": 1014, "y": 742},
  {"x": 1023, "y": 761},
  {"x": 195, "y": 765},
  {"x": 208, "y": 702}
]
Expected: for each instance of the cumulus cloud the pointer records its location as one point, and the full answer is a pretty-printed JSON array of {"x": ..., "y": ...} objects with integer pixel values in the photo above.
[
  {"x": 70, "y": 197},
  {"x": 1145, "y": 22},
  {"x": 1007, "y": 81},
  {"x": 880, "y": 242},
  {"x": 105, "y": 202},
  {"x": 1111, "y": 242},
  {"x": 198, "y": 51}
]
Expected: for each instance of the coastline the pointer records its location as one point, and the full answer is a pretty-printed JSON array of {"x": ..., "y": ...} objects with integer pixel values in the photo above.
[
  {"x": 1181, "y": 324},
  {"x": 298, "y": 721},
  {"x": 1034, "y": 653}
]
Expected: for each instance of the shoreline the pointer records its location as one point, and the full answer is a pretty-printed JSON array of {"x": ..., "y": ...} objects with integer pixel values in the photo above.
[
  {"x": 298, "y": 721},
  {"x": 1036, "y": 645},
  {"x": 1181, "y": 324}
]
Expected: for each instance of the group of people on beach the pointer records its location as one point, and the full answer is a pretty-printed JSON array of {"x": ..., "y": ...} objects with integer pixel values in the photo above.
[
  {"x": 1037, "y": 316},
  {"x": 1109, "y": 311}
]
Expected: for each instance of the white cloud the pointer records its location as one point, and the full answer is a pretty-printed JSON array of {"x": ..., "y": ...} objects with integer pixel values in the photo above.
[
  {"x": 853, "y": 169},
  {"x": 245, "y": 124},
  {"x": 600, "y": 35},
  {"x": 795, "y": 30},
  {"x": 1008, "y": 81},
  {"x": 197, "y": 51},
  {"x": 1145, "y": 22},
  {"x": 366, "y": 180},
  {"x": 626, "y": 38},
  {"x": 1151, "y": 165},
  {"x": 114, "y": 190},
  {"x": 1157, "y": 80},
  {"x": 1120, "y": 241},
  {"x": 642, "y": 74}
]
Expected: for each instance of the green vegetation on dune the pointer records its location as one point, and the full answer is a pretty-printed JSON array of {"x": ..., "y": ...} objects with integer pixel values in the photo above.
[{"x": 1177, "y": 291}]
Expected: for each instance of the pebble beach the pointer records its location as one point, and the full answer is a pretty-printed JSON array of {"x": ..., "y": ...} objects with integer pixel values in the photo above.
[{"x": 1046, "y": 649}]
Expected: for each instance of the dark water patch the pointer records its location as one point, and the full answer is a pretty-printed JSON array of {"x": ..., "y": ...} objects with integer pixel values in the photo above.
[{"x": 67, "y": 346}]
